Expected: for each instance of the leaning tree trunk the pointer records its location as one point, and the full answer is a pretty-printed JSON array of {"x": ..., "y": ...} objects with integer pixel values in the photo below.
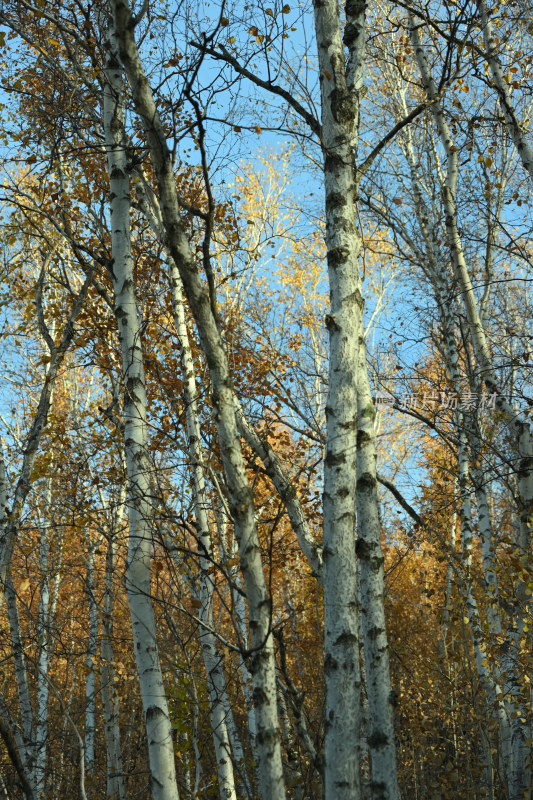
[
  {"x": 514, "y": 128},
  {"x": 225, "y": 740},
  {"x": 263, "y": 666},
  {"x": 157, "y": 721}
]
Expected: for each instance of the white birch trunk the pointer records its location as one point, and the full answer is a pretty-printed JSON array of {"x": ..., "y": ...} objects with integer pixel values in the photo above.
[
  {"x": 348, "y": 406},
  {"x": 372, "y": 592},
  {"x": 216, "y": 682},
  {"x": 26, "y": 741},
  {"x": 23, "y": 691},
  {"x": 90, "y": 694},
  {"x": 10, "y": 518},
  {"x": 149, "y": 205},
  {"x": 237, "y": 749},
  {"x": 274, "y": 469},
  {"x": 138, "y": 586},
  {"x": 294, "y": 773},
  {"x": 223, "y": 741},
  {"x": 514, "y": 127},
  {"x": 488, "y": 680},
  {"x": 270, "y": 771},
  {"x": 443, "y": 648},
  {"x": 116, "y": 786},
  {"x": 487, "y": 547},
  {"x": 518, "y": 427},
  {"x": 240, "y": 618},
  {"x": 344, "y": 322},
  {"x": 44, "y": 624}
]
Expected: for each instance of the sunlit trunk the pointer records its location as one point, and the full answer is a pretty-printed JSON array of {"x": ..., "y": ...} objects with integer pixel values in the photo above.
[
  {"x": 213, "y": 661},
  {"x": 138, "y": 584},
  {"x": 350, "y": 454},
  {"x": 263, "y": 668},
  {"x": 116, "y": 784},
  {"x": 381, "y": 740}
]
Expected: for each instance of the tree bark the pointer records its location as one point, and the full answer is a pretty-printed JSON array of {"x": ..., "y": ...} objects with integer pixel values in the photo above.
[
  {"x": 344, "y": 322},
  {"x": 213, "y": 660},
  {"x": 116, "y": 785},
  {"x": 270, "y": 771},
  {"x": 381, "y": 740},
  {"x": 138, "y": 583}
]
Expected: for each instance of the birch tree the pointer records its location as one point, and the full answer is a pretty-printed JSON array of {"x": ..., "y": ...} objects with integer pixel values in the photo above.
[
  {"x": 158, "y": 730},
  {"x": 232, "y": 550}
]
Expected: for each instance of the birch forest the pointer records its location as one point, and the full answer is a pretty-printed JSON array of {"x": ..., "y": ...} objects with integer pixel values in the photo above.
[{"x": 266, "y": 341}]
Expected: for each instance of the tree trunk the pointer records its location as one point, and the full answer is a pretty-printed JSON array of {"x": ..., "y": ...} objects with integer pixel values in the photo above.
[
  {"x": 138, "y": 585},
  {"x": 270, "y": 770},
  {"x": 90, "y": 692},
  {"x": 213, "y": 661},
  {"x": 372, "y": 592},
  {"x": 116, "y": 785}
]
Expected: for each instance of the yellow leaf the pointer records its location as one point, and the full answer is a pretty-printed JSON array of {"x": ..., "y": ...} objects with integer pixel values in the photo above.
[
  {"x": 258, "y": 129},
  {"x": 269, "y": 12},
  {"x": 224, "y": 22}
]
